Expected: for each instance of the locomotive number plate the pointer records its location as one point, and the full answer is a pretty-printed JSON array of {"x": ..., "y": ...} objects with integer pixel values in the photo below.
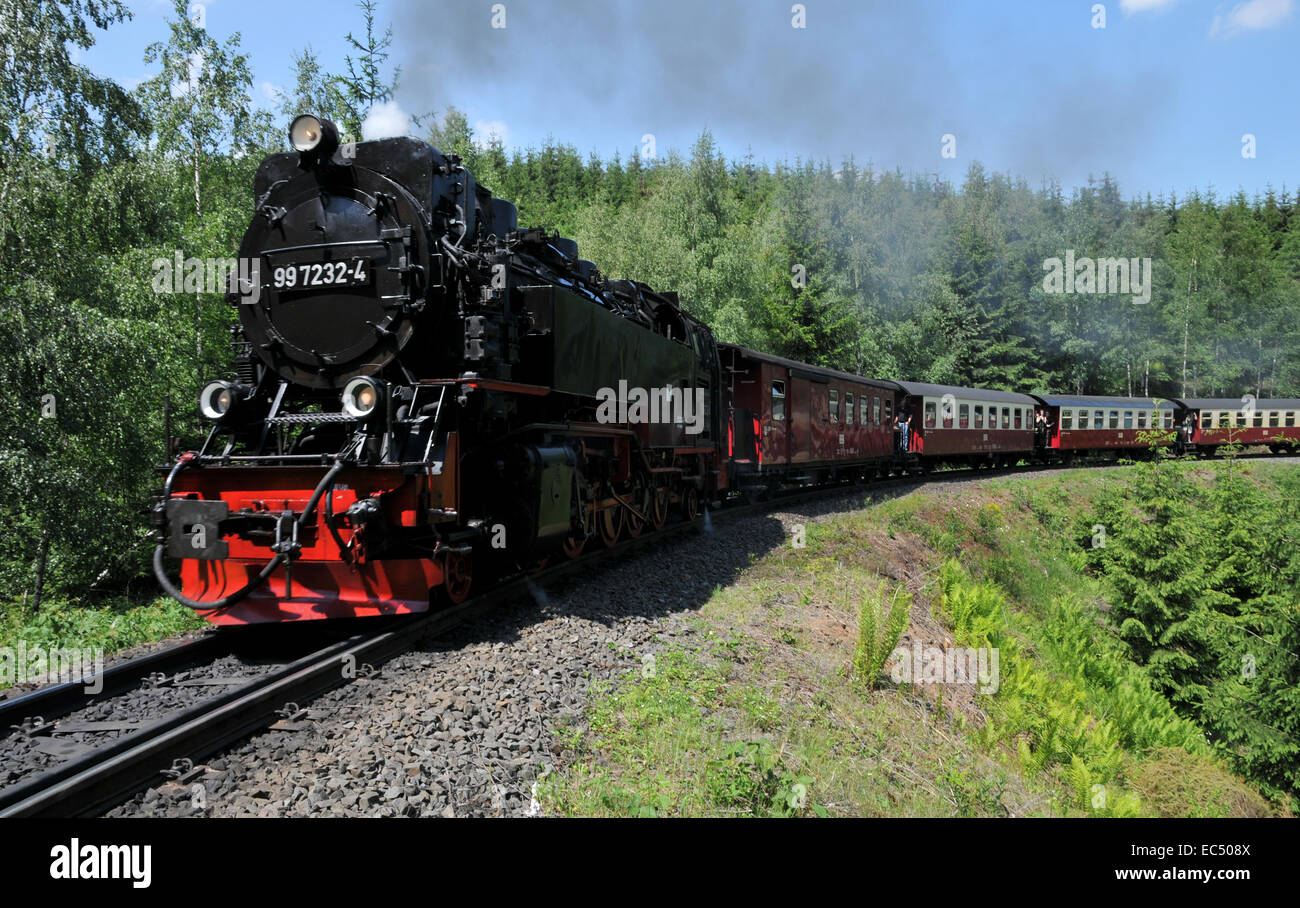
[{"x": 316, "y": 275}]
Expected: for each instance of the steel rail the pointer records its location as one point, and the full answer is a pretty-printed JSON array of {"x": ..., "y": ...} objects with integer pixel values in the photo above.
[{"x": 59, "y": 699}]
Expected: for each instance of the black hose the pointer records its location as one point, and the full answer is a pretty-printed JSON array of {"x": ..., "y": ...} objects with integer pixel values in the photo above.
[{"x": 160, "y": 571}]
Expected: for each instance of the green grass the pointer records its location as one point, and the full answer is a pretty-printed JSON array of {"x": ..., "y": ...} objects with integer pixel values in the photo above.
[{"x": 113, "y": 625}]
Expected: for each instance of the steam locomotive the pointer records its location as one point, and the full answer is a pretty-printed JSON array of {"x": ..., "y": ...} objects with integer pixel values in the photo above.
[
  {"x": 428, "y": 397},
  {"x": 426, "y": 394}
]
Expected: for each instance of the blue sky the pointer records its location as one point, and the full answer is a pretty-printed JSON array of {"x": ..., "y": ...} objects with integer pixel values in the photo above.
[{"x": 1160, "y": 97}]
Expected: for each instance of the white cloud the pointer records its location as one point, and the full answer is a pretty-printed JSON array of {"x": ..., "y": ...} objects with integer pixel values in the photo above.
[
  {"x": 272, "y": 92},
  {"x": 487, "y": 130},
  {"x": 384, "y": 121},
  {"x": 1141, "y": 6},
  {"x": 1252, "y": 15}
]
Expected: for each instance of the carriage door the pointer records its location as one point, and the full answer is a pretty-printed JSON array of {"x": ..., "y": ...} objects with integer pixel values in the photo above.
[
  {"x": 775, "y": 386},
  {"x": 799, "y": 409}
]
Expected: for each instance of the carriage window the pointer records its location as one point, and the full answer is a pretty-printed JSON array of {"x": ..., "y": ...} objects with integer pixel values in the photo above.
[
  {"x": 1114, "y": 419},
  {"x": 979, "y": 416},
  {"x": 1207, "y": 419},
  {"x": 1272, "y": 417},
  {"x": 875, "y": 410},
  {"x": 931, "y": 408},
  {"x": 947, "y": 414},
  {"x": 848, "y": 408},
  {"x": 963, "y": 416},
  {"x": 889, "y": 411},
  {"x": 1067, "y": 419},
  {"x": 1142, "y": 419},
  {"x": 1289, "y": 422},
  {"x": 778, "y": 401},
  {"x": 1099, "y": 419},
  {"x": 1018, "y": 418},
  {"x": 1169, "y": 419},
  {"x": 862, "y": 410},
  {"x": 1259, "y": 418},
  {"x": 835, "y": 404},
  {"x": 1006, "y": 417},
  {"x": 1083, "y": 419}
]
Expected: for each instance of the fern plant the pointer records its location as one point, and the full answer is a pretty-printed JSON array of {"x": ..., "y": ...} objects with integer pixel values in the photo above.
[{"x": 874, "y": 643}]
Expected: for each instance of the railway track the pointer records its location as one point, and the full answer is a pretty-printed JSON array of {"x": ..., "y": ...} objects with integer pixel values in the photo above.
[
  {"x": 92, "y": 778},
  {"x": 97, "y": 776}
]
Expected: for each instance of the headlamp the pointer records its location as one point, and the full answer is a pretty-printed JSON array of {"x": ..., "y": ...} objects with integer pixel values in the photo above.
[{"x": 361, "y": 397}]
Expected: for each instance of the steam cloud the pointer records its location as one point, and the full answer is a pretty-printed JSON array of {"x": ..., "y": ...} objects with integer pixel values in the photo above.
[
  {"x": 864, "y": 77},
  {"x": 385, "y": 121}
]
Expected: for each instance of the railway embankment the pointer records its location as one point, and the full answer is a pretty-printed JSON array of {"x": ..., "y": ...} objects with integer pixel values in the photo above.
[{"x": 1065, "y": 643}]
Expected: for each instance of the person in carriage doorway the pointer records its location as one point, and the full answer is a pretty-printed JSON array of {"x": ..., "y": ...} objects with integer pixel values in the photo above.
[
  {"x": 1041, "y": 429},
  {"x": 900, "y": 431}
]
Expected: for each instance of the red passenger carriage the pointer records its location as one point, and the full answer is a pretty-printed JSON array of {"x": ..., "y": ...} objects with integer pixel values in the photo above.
[
  {"x": 1225, "y": 421},
  {"x": 792, "y": 423},
  {"x": 974, "y": 426},
  {"x": 1088, "y": 424}
]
